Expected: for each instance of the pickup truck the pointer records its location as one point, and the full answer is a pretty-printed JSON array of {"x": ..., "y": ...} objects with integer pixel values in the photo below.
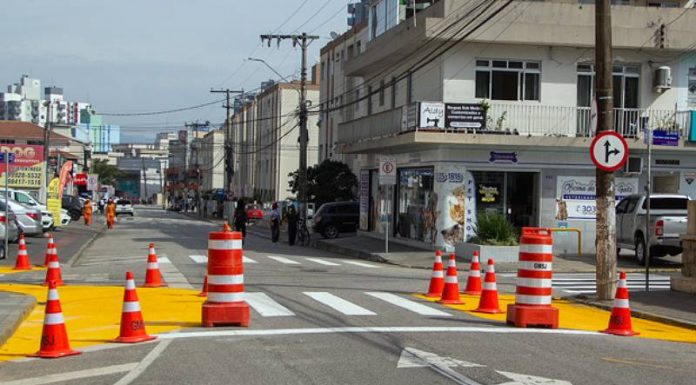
[{"x": 668, "y": 217}]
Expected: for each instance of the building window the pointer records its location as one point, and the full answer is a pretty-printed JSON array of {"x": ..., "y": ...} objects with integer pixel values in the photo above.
[
  {"x": 32, "y": 142},
  {"x": 626, "y": 79},
  {"x": 369, "y": 100},
  {"x": 409, "y": 87},
  {"x": 508, "y": 79},
  {"x": 8, "y": 141},
  {"x": 393, "y": 92},
  {"x": 323, "y": 68},
  {"x": 381, "y": 93}
]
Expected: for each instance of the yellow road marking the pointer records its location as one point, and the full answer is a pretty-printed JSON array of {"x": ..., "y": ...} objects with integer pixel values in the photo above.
[
  {"x": 11, "y": 270},
  {"x": 580, "y": 317},
  {"x": 93, "y": 314}
]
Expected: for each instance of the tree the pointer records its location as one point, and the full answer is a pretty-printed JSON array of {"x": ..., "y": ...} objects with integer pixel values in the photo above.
[
  {"x": 329, "y": 181},
  {"x": 108, "y": 174}
]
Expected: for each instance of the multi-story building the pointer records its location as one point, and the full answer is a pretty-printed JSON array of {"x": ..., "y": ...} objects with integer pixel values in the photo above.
[
  {"x": 212, "y": 160},
  {"x": 485, "y": 106},
  {"x": 162, "y": 140},
  {"x": 243, "y": 145},
  {"x": 92, "y": 129}
]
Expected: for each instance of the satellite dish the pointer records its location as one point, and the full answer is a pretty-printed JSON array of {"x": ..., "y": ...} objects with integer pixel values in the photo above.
[{"x": 334, "y": 35}]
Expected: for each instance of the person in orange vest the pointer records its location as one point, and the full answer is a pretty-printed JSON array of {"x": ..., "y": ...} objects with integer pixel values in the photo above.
[
  {"x": 110, "y": 213},
  {"x": 87, "y": 212}
]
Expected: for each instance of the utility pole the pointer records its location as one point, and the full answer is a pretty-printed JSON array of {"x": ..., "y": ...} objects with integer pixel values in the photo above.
[
  {"x": 144, "y": 176},
  {"x": 196, "y": 146},
  {"x": 605, "y": 242},
  {"x": 46, "y": 141},
  {"x": 229, "y": 146},
  {"x": 303, "y": 40}
]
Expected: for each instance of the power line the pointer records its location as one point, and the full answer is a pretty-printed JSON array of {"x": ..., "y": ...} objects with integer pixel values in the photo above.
[
  {"x": 313, "y": 15},
  {"x": 160, "y": 112}
]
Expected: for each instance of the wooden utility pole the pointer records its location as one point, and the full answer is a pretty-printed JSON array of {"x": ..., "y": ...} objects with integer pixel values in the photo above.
[
  {"x": 229, "y": 146},
  {"x": 605, "y": 242}
]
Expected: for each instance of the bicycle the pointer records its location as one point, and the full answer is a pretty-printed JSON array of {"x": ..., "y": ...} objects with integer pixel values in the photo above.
[{"x": 302, "y": 233}]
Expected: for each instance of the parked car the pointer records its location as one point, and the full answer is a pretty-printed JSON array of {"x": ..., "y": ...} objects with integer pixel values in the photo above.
[
  {"x": 12, "y": 230},
  {"x": 124, "y": 206},
  {"x": 253, "y": 211},
  {"x": 26, "y": 199},
  {"x": 336, "y": 217},
  {"x": 28, "y": 218},
  {"x": 73, "y": 205},
  {"x": 668, "y": 219}
]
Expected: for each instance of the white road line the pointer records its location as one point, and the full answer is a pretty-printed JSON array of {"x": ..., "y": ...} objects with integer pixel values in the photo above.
[
  {"x": 142, "y": 366},
  {"x": 266, "y": 306},
  {"x": 172, "y": 275},
  {"x": 71, "y": 376},
  {"x": 407, "y": 304},
  {"x": 284, "y": 260},
  {"x": 323, "y": 262},
  {"x": 246, "y": 259},
  {"x": 163, "y": 260},
  {"x": 337, "y": 303},
  {"x": 199, "y": 258},
  {"x": 376, "y": 329},
  {"x": 356, "y": 263}
]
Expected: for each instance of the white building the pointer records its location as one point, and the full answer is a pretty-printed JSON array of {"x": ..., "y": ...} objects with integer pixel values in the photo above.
[
  {"x": 244, "y": 140},
  {"x": 211, "y": 160},
  {"x": 493, "y": 115}
]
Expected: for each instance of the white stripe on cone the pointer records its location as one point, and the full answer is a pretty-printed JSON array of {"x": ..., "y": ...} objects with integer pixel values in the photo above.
[
  {"x": 225, "y": 297},
  {"x": 131, "y": 306},
  {"x": 450, "y": 279},
  {"x": 54, "y": 319},
  {"x": 532, "y": 299},
  {"x": 438, "y": 274},
  {"x": 534, "y": 282},
  {"x": 536, "y": 249},
  {"x": 224, "y": 244},
  {"x": 490, "y": 286},
  {"x": 622, "y": 284},
  {"x": 475, "y": 273},
  {"x": 152, "y": 265},
  {"x": 621, "y": 303},
  {"x": 52, "y": 295},
  {"x": 130, "y": 284},
  {"x": 53, "y": 265},
  {"x": 236, "y": 279}
]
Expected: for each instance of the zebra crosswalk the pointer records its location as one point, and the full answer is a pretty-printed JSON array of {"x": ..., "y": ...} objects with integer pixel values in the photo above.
[
  {"x": 200, "y": 259},
  {"x": 266, "y": 306},
  {"x": 585, "y": 283}
]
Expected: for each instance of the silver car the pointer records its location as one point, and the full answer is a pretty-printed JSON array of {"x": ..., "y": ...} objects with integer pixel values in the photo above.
[
  {"x": 13, "y": 230},
  {"x": 28, "y": 219}
]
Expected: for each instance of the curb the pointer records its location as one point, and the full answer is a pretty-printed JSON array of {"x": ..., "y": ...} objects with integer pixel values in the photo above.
[
  {"x": 17, "y": 316},
  {"x": 76, "y": 257},
  {"x": 639, "y": 314}
]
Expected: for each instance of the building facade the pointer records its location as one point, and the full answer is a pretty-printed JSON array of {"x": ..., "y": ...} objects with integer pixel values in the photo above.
[
  {"x": 212, "y": 160},
  {"x": 485, "y": 106}
]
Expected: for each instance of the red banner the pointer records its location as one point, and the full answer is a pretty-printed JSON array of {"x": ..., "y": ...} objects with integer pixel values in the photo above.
[
  {"x": 80, "y": 179},
  {"x": 64, "y": 176}
]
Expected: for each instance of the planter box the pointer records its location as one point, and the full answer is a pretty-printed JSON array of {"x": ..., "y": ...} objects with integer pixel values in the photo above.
[{"x": 499, "y": 254}]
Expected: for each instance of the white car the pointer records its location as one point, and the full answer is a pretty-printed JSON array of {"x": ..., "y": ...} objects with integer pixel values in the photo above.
[{"x": 124, "y": 207}]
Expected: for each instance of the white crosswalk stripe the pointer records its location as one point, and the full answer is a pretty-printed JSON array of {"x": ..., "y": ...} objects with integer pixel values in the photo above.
[
  {"x": 323, "y": 262},
  {"x": 356, "y": 263},
  {"x": 585, "y": 283},
  {"x": 407, "y": 304},
  {"x": 266, "y": 306},
  {"x": 337, "y": 303},
  {"x": 284, "y": 260},
  {"x": 199, "y": 258},
  {"x": 246, "y": 259}
]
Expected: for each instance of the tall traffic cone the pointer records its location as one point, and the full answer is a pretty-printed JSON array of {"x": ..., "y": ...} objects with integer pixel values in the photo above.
[
  {"x": 50, "y": 249},
  {"x": 152, "y": 275},
  {"x": 132, "y": 324},
  {"x": 489, "y": 295},
  {"x": 204, "y": 290},
  {"x": 620, "y": 319},
  {"x": 53, "y": 273},
  {"x": 22, "y": 262},
  {"x": 473, "y": 282},
  {"x": 450, "y": 293},
  {"x": 54, "y": 337},
  {"x": 437, "y": 280}
]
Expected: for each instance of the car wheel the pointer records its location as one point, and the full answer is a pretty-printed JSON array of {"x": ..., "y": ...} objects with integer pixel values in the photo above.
[
  {"x": 330, "y": 231},
  {"x": 640, "y": 249},
  {"x": 74, "y": 215},
  {"x": 3, "y": 254}
]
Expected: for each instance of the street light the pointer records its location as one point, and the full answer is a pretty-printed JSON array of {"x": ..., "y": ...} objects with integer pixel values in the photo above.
[{"x": 274, "y": 71}]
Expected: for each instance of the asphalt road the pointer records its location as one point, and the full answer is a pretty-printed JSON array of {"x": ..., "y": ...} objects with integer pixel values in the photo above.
[{"x": 319, "y": 318}]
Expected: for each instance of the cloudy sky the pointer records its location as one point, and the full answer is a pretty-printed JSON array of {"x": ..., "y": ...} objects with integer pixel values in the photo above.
[{"x": 151, "y": 55}]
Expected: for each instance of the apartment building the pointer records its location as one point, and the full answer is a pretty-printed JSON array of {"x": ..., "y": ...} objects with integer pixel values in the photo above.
[
  {"x": 244, "y": 142},
  {"x": 212, "y": 160},
  {"x": 485, "y": 106}
]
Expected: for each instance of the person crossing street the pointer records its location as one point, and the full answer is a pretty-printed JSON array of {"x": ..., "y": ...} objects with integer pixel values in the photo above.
[
  {"x": 110, "y": 213},
  {"x": 87, "y": 212}
]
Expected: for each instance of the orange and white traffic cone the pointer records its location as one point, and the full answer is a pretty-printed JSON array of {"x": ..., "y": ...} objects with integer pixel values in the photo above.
[
  {"x": 22, "y": 262},
  {"x": 54, "y": 337},
  {"x": 620, "y": 319},
  {"x": 50, "y": 249},
  {"x": 152, "y": 275},
  {"x": 437, "y": 279},
  {"x": 53, "y": 273},
  {"x": 473, "y": 282},
  {"x": 450, "y": 293},
  {"x": 489, "y": 295},
  {"x": 204, "y": 290},
  {"x": 132, "y": 324}
]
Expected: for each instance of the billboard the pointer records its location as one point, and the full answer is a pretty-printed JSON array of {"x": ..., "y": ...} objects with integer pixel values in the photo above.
[{"x": 28, "y": 168}]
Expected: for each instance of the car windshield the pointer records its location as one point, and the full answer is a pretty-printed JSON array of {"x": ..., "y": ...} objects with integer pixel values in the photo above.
[
  {"x": 253, "y": 207},
  {"x": 123, "y": 203},
  {"x": 667, "y": 203}
]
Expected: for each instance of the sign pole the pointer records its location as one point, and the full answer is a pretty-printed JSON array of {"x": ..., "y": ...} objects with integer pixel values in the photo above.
[
  {"x": 386, "y": 234},
  {"x": 647, "y": 213},
  {"x": 6, "y": 155}
]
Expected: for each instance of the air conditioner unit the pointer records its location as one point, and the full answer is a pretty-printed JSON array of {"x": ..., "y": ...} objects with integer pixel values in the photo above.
[
  {"x": 663, "y": 78},
  {"x": 634, "y": 165}
]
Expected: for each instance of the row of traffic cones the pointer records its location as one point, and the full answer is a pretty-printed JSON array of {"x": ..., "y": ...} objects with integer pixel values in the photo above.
[
  {"x": 446, "y": 287},
  {"x": 54, "y": 337}
]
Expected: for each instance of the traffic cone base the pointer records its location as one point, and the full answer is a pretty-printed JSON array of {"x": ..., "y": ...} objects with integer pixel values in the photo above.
[
  {"x": 132, "y": 324},
  {"x": 54, "y": 336}
]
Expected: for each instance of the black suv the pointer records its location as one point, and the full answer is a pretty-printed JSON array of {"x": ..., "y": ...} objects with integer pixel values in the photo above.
[
  {"x": 73, "y": 205},
  {"x": 336, "y": 217}
]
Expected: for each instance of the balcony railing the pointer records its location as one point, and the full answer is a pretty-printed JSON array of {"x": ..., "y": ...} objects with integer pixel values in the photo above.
[{"x": 528, "y": 120}]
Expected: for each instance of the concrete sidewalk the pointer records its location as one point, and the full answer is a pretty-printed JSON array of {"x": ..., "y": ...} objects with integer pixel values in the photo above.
[{"x": 13, "y": 309}]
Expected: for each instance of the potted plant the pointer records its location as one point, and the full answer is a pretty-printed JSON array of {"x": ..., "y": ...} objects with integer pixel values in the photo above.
[{"x": 495, "y": 238}]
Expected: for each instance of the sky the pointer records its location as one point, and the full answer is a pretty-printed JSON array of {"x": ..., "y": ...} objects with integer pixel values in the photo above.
[{"x": 131, "y": 56}]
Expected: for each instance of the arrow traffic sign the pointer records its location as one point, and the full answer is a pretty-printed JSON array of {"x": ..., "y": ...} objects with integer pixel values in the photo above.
[{"x": 609, "y": 151}]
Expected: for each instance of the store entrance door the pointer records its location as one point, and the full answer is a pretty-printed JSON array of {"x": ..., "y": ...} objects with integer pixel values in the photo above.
[{"x": 521, "y": 201}]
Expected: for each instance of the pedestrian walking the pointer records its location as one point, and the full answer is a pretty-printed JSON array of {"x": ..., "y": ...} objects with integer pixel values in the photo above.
[
  {"x": 87, "y": 212},
  {"x": 110, "y": 213},
  {"x": 275, "y": 222},
  {"x": 292, "y": 225},
  {"x": 240, "y": 218}
]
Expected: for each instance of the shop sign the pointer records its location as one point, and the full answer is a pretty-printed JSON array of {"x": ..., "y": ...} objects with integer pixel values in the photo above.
[
  {"x": 387, "y": 171},
  {"x": 664, "y": 138},
  {"x": 488, "y": 194},
  {"x": 452, "y": 206},
  {"x": 432, "y": 115},
  {"x": 364, "y": 199},
  {"x": 577, "y": 197},
  {"x": 27, "y": 169},
  {"x": 92, "y": 182},
  {"x": 80, "y": 179},
  {"x": 464, "y": 115},
  {"x": 502, "y": 157}
]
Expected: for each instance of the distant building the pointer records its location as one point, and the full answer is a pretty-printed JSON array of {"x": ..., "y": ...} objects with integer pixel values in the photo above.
[
  {"x": 211, "y": 160},
  {"x": 102, "y": 136}
]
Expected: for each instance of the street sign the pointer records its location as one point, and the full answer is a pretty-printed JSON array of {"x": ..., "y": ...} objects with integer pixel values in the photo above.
[
  {"x": 609, "y": 151},
  {"x": 387, "y": 171},
  {"x": 10, "y": 157},
  {"x": 664, "y": 138},
  {"x": 92, "y": 182}
]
